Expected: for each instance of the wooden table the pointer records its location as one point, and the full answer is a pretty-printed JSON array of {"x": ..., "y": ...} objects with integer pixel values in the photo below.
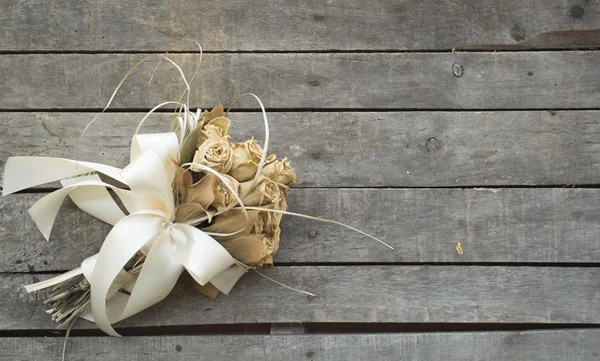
[{"x": 425, "y": 123}]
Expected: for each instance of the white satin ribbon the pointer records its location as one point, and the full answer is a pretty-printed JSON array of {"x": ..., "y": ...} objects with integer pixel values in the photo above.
[{"x": 170, "y": 248}]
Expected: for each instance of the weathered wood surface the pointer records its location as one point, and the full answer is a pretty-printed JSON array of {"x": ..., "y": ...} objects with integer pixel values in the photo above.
[
  {"x": 358, "y": 149},
  {"x": 371, "y": 294},
  {"x": 423, "y": 225},
  {"x": 259, "y": 25},
  {"x": 573, "y": 345},
  {"x": 513, "y": 80}
]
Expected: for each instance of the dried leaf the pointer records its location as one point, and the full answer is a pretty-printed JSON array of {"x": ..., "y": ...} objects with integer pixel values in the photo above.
[
  {"x": 216, "y": 112},
  {"x": 183, "y": 179},
  {"x": 202, "y": 192},
  {"x": 248, "y": 249},
  {"x": 188, "y": 210},
  {"x": 231, "y": 222},
  {"x": 459, "y": 249}
]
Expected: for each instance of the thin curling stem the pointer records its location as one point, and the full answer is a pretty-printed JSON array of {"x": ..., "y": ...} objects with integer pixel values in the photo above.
[
  {"x": 322, "y": 220},
  {"x": 285, "y": 286}
]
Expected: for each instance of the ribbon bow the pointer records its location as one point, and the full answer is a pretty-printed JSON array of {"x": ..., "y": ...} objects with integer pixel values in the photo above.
[{"x": 169, "y": 247}]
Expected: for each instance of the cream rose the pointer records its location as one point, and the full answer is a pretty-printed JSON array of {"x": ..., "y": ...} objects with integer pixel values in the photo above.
[
  {"x": 223, "y": 196},
  {"x": 216, "y": 154},
  {"x": 272, "y": 243},
  {"x": 281, "y": 172},
  {"x": 214, "y": 130},
  {"x": 264, "y": 192},
  {"x": 246, "y": 157}
]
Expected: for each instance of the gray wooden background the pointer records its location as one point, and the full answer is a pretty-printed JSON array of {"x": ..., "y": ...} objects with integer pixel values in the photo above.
[{"x": 425, "y": 123}]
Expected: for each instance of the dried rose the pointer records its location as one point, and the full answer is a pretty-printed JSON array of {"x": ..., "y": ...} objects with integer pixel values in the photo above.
[
  {"x": 214, "y": 130},
  {"x": 267, "y": 222},
  {"x": 281, "y": 172},
  {"x": 223, "y": 196},
  {"x": 246, "y": 157},
  {"x": 264, "y": 192},
  {"x": 272, "y": 242},
  {"x": 216, "y": 154}
]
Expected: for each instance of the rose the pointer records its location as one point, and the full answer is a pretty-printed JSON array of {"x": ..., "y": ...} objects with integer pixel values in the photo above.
[
  {"x": 264, "y": 192},
  {"x": 281, "y": 172},
  {"x": 223, "y": 196},
  {"x": 215, "y": 129},
  {"x": 267, "y": 222},
  {"x": 246, "y": 157},
  {"x": 216, "y": 154},
  {"x": 272, "y": 243}
]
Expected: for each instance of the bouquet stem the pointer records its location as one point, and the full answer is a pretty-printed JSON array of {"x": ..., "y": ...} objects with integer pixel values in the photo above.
[{"x": 70, "y": 298}]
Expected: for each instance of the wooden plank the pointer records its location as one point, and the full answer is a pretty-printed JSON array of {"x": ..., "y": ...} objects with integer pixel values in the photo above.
[
  {"x": 349, "y": 25},
  {"x": 514, "y": 80},
  {"x": 370, "y": 294},
  {"x": 358, "y": 149},
  {"x": 577, "y": 344},
  {"x": 424, "y": 225}
]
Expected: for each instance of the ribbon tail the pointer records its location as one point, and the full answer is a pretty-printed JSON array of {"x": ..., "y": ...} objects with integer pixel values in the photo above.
[
  {"x": 122, "y": 243},
  {"x": 95, "y": 201},
  {"x": 26, "y": 172},
  {"x": 225, "y": 280},
  {"x": 155, "y": 281},
  {"x": 200, "y": 254},
  {"x": 44, "y": 211},
  {"x": 157, "y": 278}
]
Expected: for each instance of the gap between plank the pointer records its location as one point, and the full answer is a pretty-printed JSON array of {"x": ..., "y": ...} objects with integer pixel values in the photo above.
[
  {"x": 311, "y": 328},
  {"x": 386, "y": 264},
  {"x": 490, "y": 49},
  {"x": 296, "y": 110},
  {"x": 471, "y": 187}
]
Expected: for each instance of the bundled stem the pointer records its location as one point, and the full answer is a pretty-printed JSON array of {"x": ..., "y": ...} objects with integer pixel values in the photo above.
[{"x": 71, "y": 299}]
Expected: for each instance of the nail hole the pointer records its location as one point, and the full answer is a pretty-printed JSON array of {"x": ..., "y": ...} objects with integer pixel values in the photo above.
[{"x": 457, "y": 69}]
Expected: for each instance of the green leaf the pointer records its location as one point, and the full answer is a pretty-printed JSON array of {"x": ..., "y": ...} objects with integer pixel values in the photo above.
[{"x": 189, "y": 146}]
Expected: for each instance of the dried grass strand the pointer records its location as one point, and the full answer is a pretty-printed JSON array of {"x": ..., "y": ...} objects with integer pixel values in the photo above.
[
  {"x": 309, "y": 294},
  {"x": 321, "y": 220}
]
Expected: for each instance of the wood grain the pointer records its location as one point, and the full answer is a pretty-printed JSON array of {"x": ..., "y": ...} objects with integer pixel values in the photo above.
[
  {"x": 512, "y": 80},
  {"x": 560, "y": 345},
  {"x": 358, "y": 149},
  {"x": 259, "y": 25},
  {"x": 369, "y": 294},
  {"x": 524, "y": 226}
]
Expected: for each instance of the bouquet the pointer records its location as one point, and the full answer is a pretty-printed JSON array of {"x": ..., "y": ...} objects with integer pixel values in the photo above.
[{"x": 189, "y": 200}]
